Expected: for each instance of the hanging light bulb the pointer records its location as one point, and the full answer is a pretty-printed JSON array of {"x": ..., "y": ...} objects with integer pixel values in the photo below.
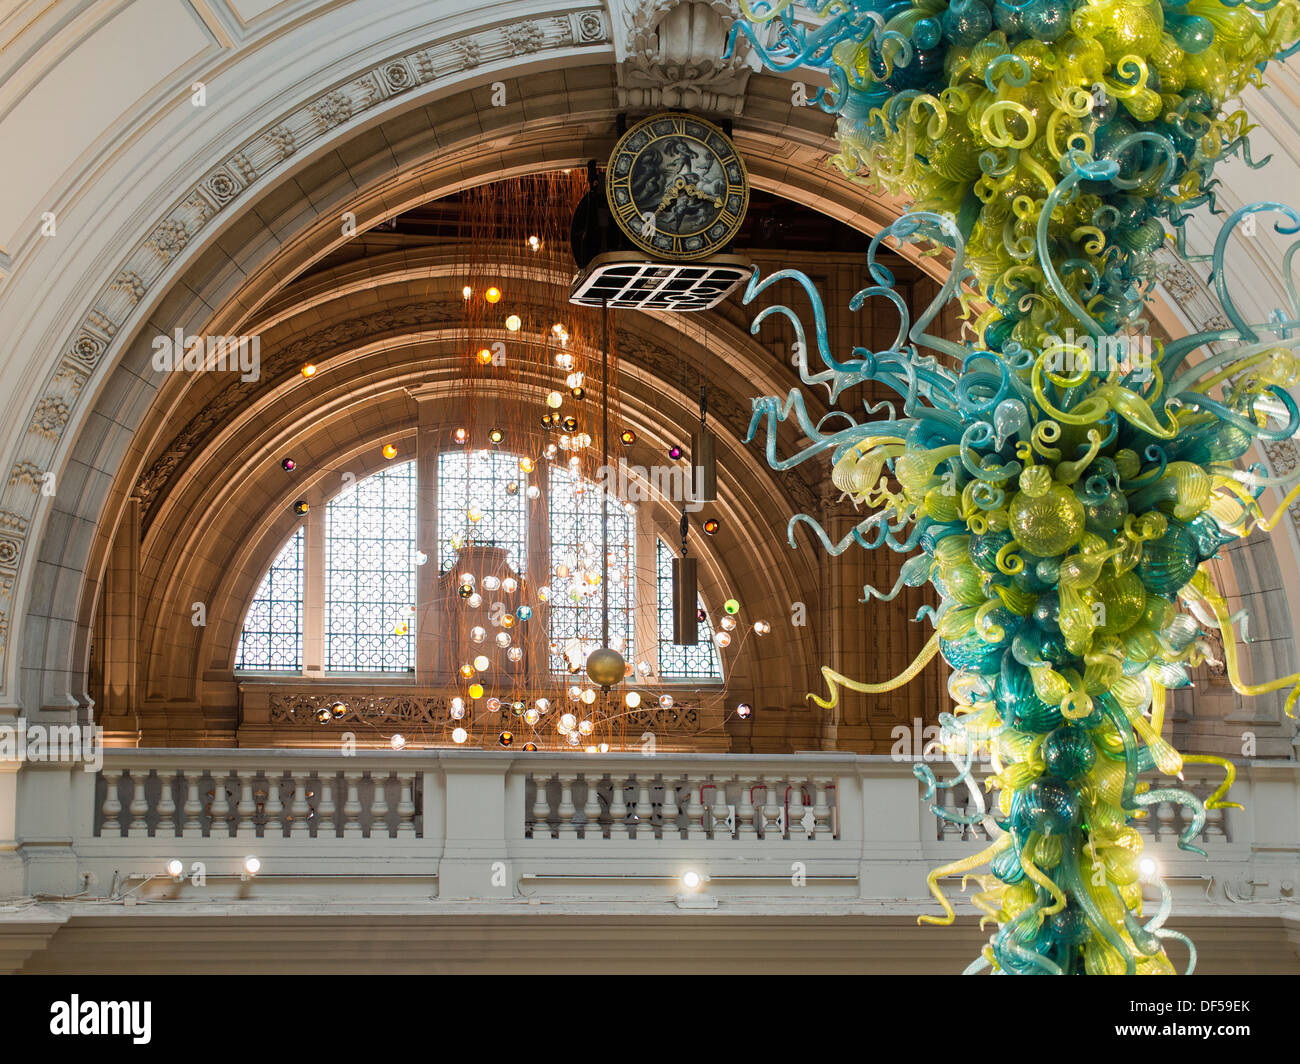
[
  {"x": 632, "y": 700},
  {"x": 491, "y": 583},
  {"x": 514, "y": 323},
  {"x": 459, "y": 735},
  {"x": 761, "y": 627},
  {"x": 484, "y": 356},
  {"x": 665, "y": 701},
  {"x": 477, "y": 634},
  {"x": 493, "y": 295},
  {"x": 509, "y": 585},
  {"x": 474, "y": 601},
  {"x": 723, "y": 639},
  {"x": 481, "y": 663},
  {"x": 526, "y": 465},
  {"x": 515, "y": 654}
]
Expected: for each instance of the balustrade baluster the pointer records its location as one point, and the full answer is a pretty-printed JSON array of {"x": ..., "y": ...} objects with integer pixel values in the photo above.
[
  {"x": 274, "y": 826},
  {"x": 139, "y": 808},
  {"x": 669, "y": 811},
  {"x": 220, "y": 826},
  {"x": 325, "y": 809},
  {"x": 352, "y": 806},
  {"x": 379, "y": 808},
  {"x": 592, "y": 807},
  {"x": 566, "y": 809},
  {"x": 747, "y": 818},
  {"x": 166, "y": 827},
  {"x": 299, "y": 809},
  {"x": 193, "y": 825},
  {"x": 406, "y": 807},
  {"x": 246, "y": 808},
  {"x": 112, "y": 809},
  {"x": 722, "y": 813}
]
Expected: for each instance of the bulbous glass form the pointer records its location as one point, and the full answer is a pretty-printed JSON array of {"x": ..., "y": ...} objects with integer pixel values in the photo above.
[{"x": 1048, "y": 525}]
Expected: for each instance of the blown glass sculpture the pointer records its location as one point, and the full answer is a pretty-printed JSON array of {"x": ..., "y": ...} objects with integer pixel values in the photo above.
[{"x": 1063, "y": 479}]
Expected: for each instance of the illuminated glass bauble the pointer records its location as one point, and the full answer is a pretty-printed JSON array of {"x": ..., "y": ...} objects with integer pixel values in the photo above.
[
  {"x": 421, "y": 558},
  {"x": 1069, "y": 753},
  {"x": 481, "y": 663},
  {"x": 474, "y": 601},
  {"x": 569, "y": 423},
  {"x": 484, "y": 356},
  {"x": 509, "y": 585},
  {"x": 467, "y": 670},
  {"x": 644, "y": 668},
  {"x": 503, "y": 639},
  {"x": 675, "y": 452},
  {"x": 515, "y": 654},
  {"x": 476, "y": 690},
  {"x": 588, "y": 697},
  {"x": 401, "y": 628},
  {"x": 555, "y": 400},
  {"x": 586, "y": 727},
  {"x": 728, "y": 624},
  {"x": 744, "y": 710},
  {"x": 512, "y": 488},
  {"x": 398, "y": 742},
  {"x": 288, "y": 465},
  {"x": 543, "y": 705},
  {"x": 1047, "y": 524},
  {"x": 711, "y": 526},
  {"x": 459, "y": 735},
  {"x": 323, "y": 715},
  {"x": 627, "y": 436},
  {"x": 496, "y": 436},
  {"x": 723, "y": 639},
  {"x": 573, "y": 380},
  {"x": 531, "y": 717},
  {"x": 477, "y": 634},
  {"x": 465, "y": 590},
  {"x": 491, "y": 583},
  {"x": 526, "y": 465},
  {"x": 762, "y": 628},
  {"x": 309, "y": 370},
  {"x": 390, "y": 450},
  {"x": 533, "y": 491},
  {"x": 493, "y": 295},
  {"x": 632, "y": 700},
  {"x": 494, "y": 705},
  {"x": 524, "y": 612},
  {"x": 514, "y": 323},
  {"x": 567, "y": 722},
  {"x": 457, "y": 706},
  {"x": 529, "y": 747},
  {"x": 475, "y": 514},
  {"x": 339, "y": 710},
  {"x": 731, "y": 606},
  {"x": 665, "y": 701},
  {"x": 300, "y": 507},
  {"x": 574, "y": 693}
]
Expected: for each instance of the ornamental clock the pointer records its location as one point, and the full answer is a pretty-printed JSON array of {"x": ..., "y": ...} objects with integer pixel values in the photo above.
[{"x": 676, "y": 187}]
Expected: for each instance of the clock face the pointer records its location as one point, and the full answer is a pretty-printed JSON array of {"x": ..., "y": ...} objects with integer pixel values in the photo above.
[{"x": 677, "y": 187}]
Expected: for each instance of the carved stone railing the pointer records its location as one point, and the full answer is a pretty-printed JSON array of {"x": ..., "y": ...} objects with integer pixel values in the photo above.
[{"x": 482, "y": 824}]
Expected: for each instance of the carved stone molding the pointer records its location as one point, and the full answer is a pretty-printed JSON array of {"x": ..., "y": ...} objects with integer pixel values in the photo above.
[
  {"x": 180, "y": 225},
  {"x": 674, "y": 57}
]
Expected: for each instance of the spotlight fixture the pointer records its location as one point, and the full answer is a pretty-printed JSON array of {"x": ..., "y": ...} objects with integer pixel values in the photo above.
[
  {"x": 675, "y": 452},
  {"x": 309, "y": 370},
  {"x": 493, "y": 295},
  {"x": 627, "y": 436},
  {"x": 744, "y": 711},
  {"x": 692, "y": 880},
  {"x": 252, "y": 865},
  {"x": 175, "y": 868},
  {"x": 301, "y": 507},
  {"x": 711, "y": 526},
  {"x": 390, "y": 450},
  {"x": 288, "y": 465}
]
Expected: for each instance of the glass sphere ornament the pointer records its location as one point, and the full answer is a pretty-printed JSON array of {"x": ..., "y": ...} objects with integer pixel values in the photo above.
[
  {"x": 505, "y": 738},
  {"x": 722, "y": 639},
  {"x": 574, "y": 693},
  {"x": 476, "y": 691},
  {"x": 481, "y": 663},
  {"x": 573, "y": 380},
  {"x": 288, "y": 465},
  {"x": 477, "y": 634},
  {"x": 531, "y": 717},
  {"x": 588, "y": 696},
  {"x": 493, "y": 294},
  {"x": 605, "y": 667},
  {"x": 567, "y": 723},
  {"x": 533, "y": 491},
  {"x": 475, "y": 514},
  {"x": 309, "y": 370},
  {"x": 459, "y": 735},
  {"x": 509, "y": 585},
  {"x": 390, "y": 450},
  {"x": 527, "y": 465},
  {"x": 457, "y": 706},
  {"x": 421, "y": 558},
  {"x": 460, "y": 435},
  {"x": 665, "y": 701},
  {"x": 467, "y": 671},
  {"x": 398, "y": 742},
  {"x": 494, "y": 705},
  {"x": 555, "y": 400},
  {"x": 728, "y": 624},
  {"x": 731, "y": 606},
  {"x": 323, "y": 715},
  {"x": 744, "y": 710},
  {"x": 300, "y": 507},
  {"x": 491, "y": 583},
  {"x": 474, "y": 601},
  {"x": 544, "y": 593},
  {"x": 524, "y": 613},
  {"x": 1047, "y": 524},
  {"x": 484, "y": 356},
  {"x": 675, "y": 452},
  {"x": 644, "y": 668},
  {"x": 762, "y": 628},
  {"x": 514, "y": 323},
  {"x": 569, "y": 423},
  {"x": 503, "y": 639},
  {"x": 512, "y": 488},
  {"x": 515, "y": 654},
  {"x": 627, "y": 436},
  {"x": 700, "y": 615},
  {"x": 1069, "y": 753},
  {"x": 338, "y": 710},
  {"x": 496, "y": 435},
  {"x": 632, "y": 700},
  {"x": 711, "y": 526},
  {"x": 529, "y": 747},
  {"x": 578, "y": 393},
  {"x": 586, "y": 727}
]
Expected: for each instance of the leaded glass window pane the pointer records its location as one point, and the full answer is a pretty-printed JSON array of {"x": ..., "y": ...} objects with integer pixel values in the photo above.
[
  {"x": 370, "y": 574},
  {"x": 481, "y": 481},
  {"x": 698, "y": 662},
  {"x": 575, "y": 610},
  {"x": 271, "y": 638}
]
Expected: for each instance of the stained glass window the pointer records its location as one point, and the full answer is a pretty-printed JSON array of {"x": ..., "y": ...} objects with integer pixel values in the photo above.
[
  {"x": 698, "y": 662},
  {"x": 481, "y": 500},
  {"x": 576, "y": 607},
  {"x": 370, "y": 574},
  {"x": 272, "y": 635}
]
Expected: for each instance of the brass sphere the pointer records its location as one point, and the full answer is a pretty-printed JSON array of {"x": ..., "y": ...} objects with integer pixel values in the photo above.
[{"x": 605, "y": 667}]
